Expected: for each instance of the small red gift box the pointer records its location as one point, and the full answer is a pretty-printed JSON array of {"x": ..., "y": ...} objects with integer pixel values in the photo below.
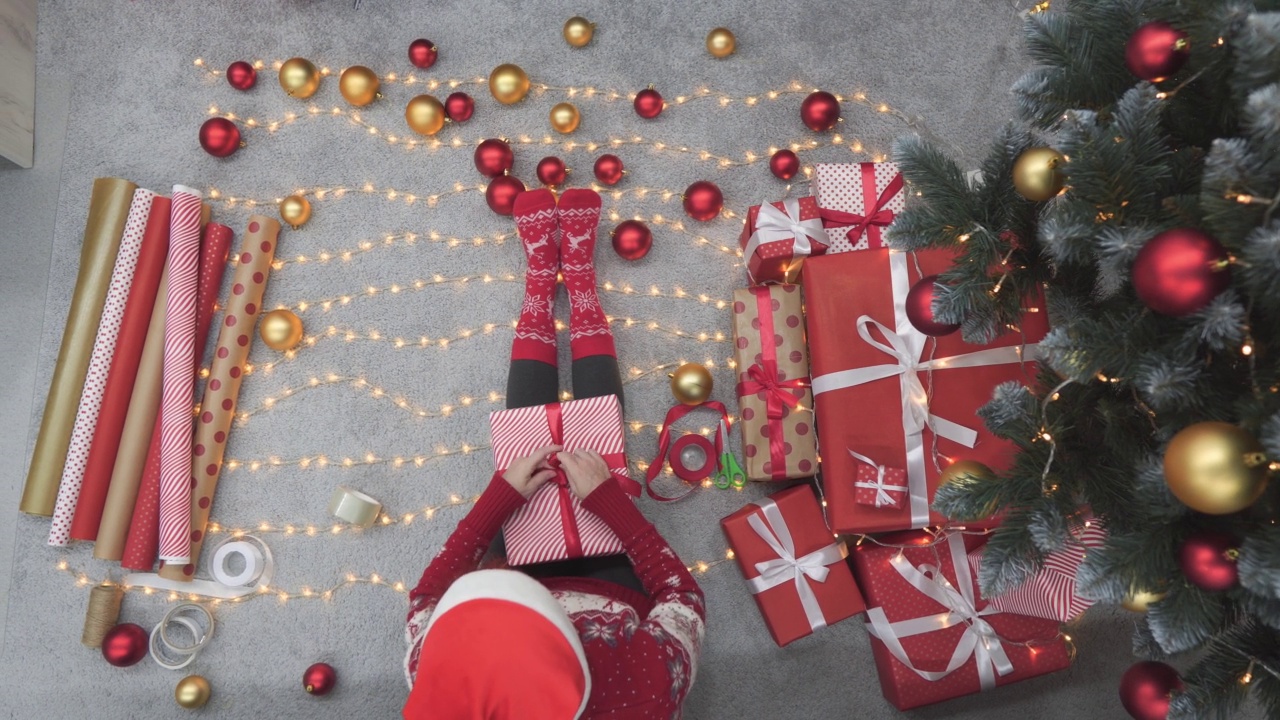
[
  {"x": 1051, "y": 592},
  {"x": 799, "y": 576},
  {"x": 932, "y": 637},
  {"x": 869, "y": 195},
  {"x": 553, "y": 525},
  {"x": 777, "y": 237},
  {"x": 883, "y": 389},
  {"x": 879, "y": 486}
]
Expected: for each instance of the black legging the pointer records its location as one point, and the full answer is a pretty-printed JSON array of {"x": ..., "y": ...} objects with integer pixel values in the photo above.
[{"x": 531, "y": 382}]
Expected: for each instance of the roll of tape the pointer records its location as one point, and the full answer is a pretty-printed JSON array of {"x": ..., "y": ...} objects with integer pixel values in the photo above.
[
  {"x": 162, "y": 656},
  {"x": 693, "y": 458},
  {"x": 257, "y": 551},
  {"x": 202, "y": 637},
  {"x": 354, "y": 506},
  {"x": 253, "y": 563}
]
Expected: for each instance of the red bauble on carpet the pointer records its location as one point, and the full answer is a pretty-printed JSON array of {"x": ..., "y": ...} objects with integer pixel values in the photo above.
[
  {"x": 551, "y": 171},
  {"x": 820, "y": 111},
  {"x": 501, "y": 193},
  {"x": 632, "y": 239},
  {"x": 784, "y": 164},
  {"x": 608, "y": 169},
  {"x": 493, "y": 157},
  {"x": 319, "y": 679},
  {"x": 241, "y": 75},
  {"x": 422, "y": 53},
  {"x": 459, "y": 106},
  {"x": 125, "y": 644},
  {"x": 219, "y": 137},
  {"x": 648, "y": 104},
  {"x": 703, "y": 200}
]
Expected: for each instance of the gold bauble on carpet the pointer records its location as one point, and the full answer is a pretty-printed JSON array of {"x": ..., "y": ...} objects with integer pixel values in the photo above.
[
  {"x": 281, "y": 330},
  {"x": 295, "y": 210},
  {"x": 565, "y": 118},
  {"x": 691, "y": 383},
  {"x": 1215, "y": 468},
  {"x": 578, "y": 31},
  {"x": 192, "y": 692},
  {"x": 299, "y": 78},
  {"x": 1140, "y": 600},
  {"x": 1036, "y": 174},
  {"x": 359, "y": 85},
  {"x": 721, "y": 43},
  {"x": 508, "y": 84},
  {"x": 425, "y": 115}
]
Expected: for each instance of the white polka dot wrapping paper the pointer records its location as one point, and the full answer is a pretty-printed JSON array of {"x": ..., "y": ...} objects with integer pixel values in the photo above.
[{"x": 858, "y": 188}]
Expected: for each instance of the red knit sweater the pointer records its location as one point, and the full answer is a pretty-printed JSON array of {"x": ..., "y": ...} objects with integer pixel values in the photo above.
[{"x": 642, "y": 651}]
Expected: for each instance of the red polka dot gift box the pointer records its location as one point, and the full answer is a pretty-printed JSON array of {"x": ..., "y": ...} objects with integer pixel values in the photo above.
[
  {"x": 796, "y": 570},
  {"x": 887, "y": 395},
  {"x": 777, "y": 237},
  {"x": 774, "y": 403},
  {"x": 868, "y": 196},
  {"x": 933, "y": 637}
]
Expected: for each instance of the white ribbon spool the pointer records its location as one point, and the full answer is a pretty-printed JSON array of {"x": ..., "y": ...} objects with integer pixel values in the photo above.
[
  {"x": 257, "y": 551},
  {"x": 253, "y": 564}
]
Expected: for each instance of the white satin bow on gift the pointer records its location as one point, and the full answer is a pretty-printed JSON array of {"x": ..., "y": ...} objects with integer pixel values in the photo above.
[
  {"x": 772, "y": 528},
  {"x": 774, "y": 225}
]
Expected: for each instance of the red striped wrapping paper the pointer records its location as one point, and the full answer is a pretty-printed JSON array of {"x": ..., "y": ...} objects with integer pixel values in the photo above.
[
  {"x": 553, "y": 525},
  {"x": 1051, "y": 592},
  {"x": 95, "y": 382}
]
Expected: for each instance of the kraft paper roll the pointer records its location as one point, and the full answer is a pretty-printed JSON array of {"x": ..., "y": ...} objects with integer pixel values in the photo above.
[
  {"x": 142, "y": 542},
  {"x": 95, "y": 382},
  {"x": 217, "y": 409},
  {"x": 108, "y": 211}
]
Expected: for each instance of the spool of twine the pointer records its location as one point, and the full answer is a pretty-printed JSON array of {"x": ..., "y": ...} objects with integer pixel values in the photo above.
[{"x": 102, "y": 613}]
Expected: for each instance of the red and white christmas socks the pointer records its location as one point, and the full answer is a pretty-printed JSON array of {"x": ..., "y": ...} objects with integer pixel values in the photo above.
[
  {"x": 589, "y": 332},
  {"x": 535, "y": 214}
]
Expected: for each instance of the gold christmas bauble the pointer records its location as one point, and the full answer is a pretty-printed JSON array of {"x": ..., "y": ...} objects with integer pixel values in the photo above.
[
  {"x": 359, "y": 85},
  {"x": 1036, "y": 174},
  {"x": 295, "y": 210},
  {"x": 425, "y": 115},
  {"x": 299, "y": 78},
  {"x": 578, "y": 31},
  {"x": 192, "y": 692},
  {"x": 1215, "y": 468},
  {"x": 1140, "y": 600},
  {"x": 691, "y": 383},
  {"x": 963, "y": 468},
  {"x": 280, "y": 330},
  {"x": 721, "y": 43},
  {"x": 565, "y": 118},
  {"x": 508, "y": 84}
]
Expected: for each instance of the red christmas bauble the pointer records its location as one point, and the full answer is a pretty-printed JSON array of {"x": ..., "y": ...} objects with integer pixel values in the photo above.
[
  {"x": 1145, "y": 688},
  {"x": 219, "y": 137},
  {"x": 820, "y": 111},
  {"x": 494, "y": 157},
  {"x": 125, "y": 644},
  {"x": 784, "y": 164},
  {"x": 422, "y": 53},
  {"x": 648, "y": 103},
  {"x": 319, "y": 679},
  {"x": 632, "y": 239},
  {"x": 702, "y": 200},
  {"x": 551, "y": 170},
  {"x": 501, "y": 193},
  {"x": 1208, "y": 559},
  {"x": 1156, "y": 50},
  {"x": 459, "y": 106},
  {"x": 920, "y": 308},
  {"x": 608, "y": 169},
  {"x": 241, "y": 75},
  {"x": 1180, "y": 271}
]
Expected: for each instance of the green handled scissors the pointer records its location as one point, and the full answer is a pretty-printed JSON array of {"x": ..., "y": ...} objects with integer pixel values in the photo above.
[{"x": 729, "y": 471}]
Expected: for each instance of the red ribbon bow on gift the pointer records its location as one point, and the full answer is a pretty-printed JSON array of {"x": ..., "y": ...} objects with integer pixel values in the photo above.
[
  {"x": 877, "y": 215},
  {"x": 764, "y": 378}
]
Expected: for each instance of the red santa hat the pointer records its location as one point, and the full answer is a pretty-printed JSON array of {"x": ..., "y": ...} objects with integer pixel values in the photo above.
[{"x": 498, "y": 647}]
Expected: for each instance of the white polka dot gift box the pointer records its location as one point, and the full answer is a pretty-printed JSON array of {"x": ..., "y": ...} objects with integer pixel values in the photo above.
[{"x": 872, "y": 194}]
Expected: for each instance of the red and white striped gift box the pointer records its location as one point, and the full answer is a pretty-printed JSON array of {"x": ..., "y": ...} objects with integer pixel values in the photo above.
[
  {"x": 1051, "y": 592},
  {"x": 553, "y": 525}
]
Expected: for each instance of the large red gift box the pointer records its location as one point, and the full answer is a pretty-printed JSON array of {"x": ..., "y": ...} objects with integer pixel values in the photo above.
[
  {"x": 792, "y": 564},
  {"x": 777, "y": 237},
  {"x": 553, "y": 525},
  {"x": 932, "y": 636},
  {"x": 884, "y": 390},
  {"x": 870, "y": 194}
]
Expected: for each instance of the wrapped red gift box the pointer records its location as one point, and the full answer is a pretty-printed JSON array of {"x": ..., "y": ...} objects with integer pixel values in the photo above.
[
  {"x": 879, "y": 486},
  {"x": 872, "y": 192},
  {"x": 932, "y": 637},
  {"x": 1051, "y": 592},
  {"x": 777, "y": 237},
  {"x": 553, "y": 525},
  {"x": 774, "y": 402},
  {"x": 797, "y": 572},
  {"x": 884, "y": 390}
]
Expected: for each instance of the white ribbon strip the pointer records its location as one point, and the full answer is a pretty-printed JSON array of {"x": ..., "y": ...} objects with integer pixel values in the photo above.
[
  {"x": 216, "y": 588},
  {"x": 979, "y": 640},
  {"x": 774, "y": 225},
  {"x": 787, "y": 567},
  {"x": 906, "y": 345},
  {"x": 882, "y": 490}
]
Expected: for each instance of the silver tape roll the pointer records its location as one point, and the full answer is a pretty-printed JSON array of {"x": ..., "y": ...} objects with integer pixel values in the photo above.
[
  {"x": 354, "y": 506},
  {"x": 175, "y": 614},
  {"x": 161, "y": 656}
]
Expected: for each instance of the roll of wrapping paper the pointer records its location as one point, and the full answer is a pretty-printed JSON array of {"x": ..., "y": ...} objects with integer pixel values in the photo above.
[
  {"x": 217, "y": 409},
  {"x": 95, "y": 381},
  {"x": 120, "y": 502},
  {"x": 108, "y": 211},
  {"x": 109, "y": 438}
]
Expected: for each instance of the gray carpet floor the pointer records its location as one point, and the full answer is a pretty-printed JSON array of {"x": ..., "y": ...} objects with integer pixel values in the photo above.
[{"x": 119, "y": 94}]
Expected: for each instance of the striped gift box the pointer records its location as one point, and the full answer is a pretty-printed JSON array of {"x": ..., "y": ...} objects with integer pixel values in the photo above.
[
  {"x": 553, "y": 525},
  {"x": 1051, "y": 592}
]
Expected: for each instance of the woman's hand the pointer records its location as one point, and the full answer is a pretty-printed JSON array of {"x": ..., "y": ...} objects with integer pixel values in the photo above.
[
  {"x": 586, "y": 471},
  {"x": 527, "y": 474}
]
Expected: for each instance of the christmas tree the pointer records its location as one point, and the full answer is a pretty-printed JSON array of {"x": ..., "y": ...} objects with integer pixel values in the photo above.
[{"x": 1140, "y": 191}]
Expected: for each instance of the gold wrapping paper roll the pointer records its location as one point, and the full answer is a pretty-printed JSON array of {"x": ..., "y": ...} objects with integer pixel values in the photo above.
[
  {"x": 108, "y": 210},
  {"x": 218, "y": 408}
]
